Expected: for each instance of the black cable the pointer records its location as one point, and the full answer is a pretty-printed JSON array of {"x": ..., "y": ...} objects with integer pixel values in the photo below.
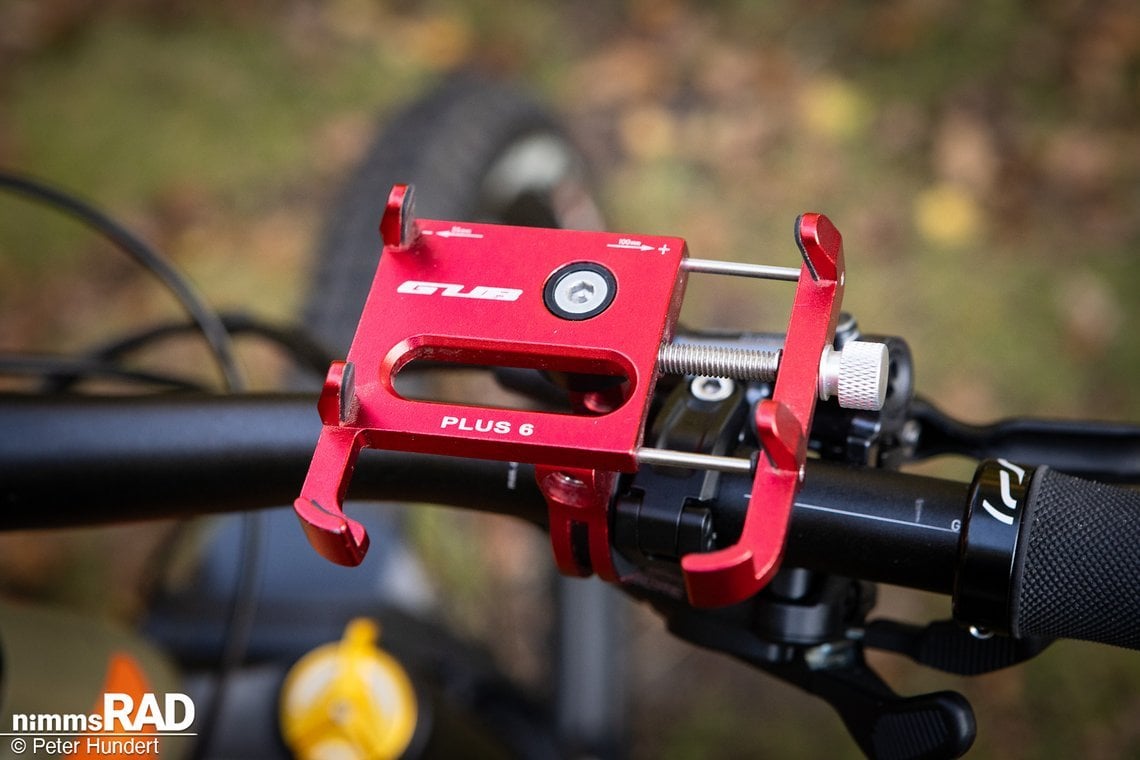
[
  {"x": 41, "y": 365},
  {"x": 150, "y": 259},
  {"x": 242, "y": 612},
  {"x": 295, "y": 341},
  {"x": 239, "y": 626}
]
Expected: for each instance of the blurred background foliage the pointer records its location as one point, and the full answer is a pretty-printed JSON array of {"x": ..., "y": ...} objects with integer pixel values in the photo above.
[{"x": 981, "y": 159}]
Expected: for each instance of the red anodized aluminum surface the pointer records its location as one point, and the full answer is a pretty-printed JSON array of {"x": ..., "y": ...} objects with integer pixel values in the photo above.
[
  {"x": 473, "y": 294},
  {"x": 737, "y": 572}
]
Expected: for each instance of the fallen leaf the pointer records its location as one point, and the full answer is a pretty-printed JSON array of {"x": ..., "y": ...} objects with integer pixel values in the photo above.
[
  {"x": 947, "y": 215},
  {"x": 834, "y": 109}
]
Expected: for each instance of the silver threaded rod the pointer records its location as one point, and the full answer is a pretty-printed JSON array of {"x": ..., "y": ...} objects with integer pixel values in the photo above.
[{"x": 718, "y": 361}]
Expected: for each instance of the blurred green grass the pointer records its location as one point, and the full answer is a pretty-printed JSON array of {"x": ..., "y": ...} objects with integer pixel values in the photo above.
[{"x": 982, "y": 160}]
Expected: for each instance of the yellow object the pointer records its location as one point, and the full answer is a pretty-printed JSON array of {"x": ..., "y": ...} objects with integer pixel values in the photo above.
[
  {"x": 834, "y": 109},
  {"x": 948, "y": 215},
  {"x": 349, "y": 700}
]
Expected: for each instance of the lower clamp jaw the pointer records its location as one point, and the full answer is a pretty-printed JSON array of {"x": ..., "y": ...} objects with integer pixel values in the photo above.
[{"x": 335, "y": 537}]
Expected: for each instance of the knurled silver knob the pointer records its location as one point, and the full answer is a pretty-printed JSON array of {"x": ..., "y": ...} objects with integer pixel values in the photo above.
[{"x": 857, "y": 375}]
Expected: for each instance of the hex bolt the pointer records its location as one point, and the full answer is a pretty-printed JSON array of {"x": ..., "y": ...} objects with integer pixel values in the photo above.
[
  {"x": 705, "y": 388},
  {"x": 580, "y": 291}
]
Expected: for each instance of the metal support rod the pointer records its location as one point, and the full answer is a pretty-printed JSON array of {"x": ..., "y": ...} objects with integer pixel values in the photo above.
[
  {"x": 687, "y": 460},
  {"x": 718, "y": 361},
  {"x": 738, "y": 269}
]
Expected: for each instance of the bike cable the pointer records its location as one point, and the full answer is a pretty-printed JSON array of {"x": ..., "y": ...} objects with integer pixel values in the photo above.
[
  {"x": 149, "y": 258},
  {"x": 213, "y": 329},
  {"x": 301, "y": 348}
]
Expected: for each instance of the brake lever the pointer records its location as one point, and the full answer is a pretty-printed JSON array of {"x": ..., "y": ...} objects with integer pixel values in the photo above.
[
  {"x": 1104, "y": 451},
  {"x": 945, "y": 645},
  {"x": 799, "y": 630}
]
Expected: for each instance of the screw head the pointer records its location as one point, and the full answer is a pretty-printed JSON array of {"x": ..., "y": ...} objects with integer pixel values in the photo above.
[
  {"x": 711, "y": 388},
  {"x": 911, "y": 432},
  {"x": 579, "y": 291}
]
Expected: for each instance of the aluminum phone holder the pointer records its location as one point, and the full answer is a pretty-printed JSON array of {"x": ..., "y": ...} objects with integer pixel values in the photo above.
[{"x": 562, "y": 301}]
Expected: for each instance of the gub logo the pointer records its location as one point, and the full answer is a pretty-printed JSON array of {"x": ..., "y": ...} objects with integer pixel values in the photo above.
[{"x": 456, "y": 290}]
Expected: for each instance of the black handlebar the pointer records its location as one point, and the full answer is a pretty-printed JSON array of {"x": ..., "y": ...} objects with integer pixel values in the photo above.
[
  {"x": 876, "y": 525},
  {"x": 74, "y": 461},
  {"x": 1063, "y": 561}
]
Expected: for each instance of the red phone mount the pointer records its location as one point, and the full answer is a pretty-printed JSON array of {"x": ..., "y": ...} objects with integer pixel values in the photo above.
[{"x": 582, "y": 303}]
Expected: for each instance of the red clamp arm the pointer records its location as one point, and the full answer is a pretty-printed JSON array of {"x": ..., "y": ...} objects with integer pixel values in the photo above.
[{"x": 737, "y": 572}]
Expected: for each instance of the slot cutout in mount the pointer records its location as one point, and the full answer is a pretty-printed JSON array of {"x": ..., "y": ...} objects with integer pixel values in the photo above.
[{"x": 506, "y": 378}]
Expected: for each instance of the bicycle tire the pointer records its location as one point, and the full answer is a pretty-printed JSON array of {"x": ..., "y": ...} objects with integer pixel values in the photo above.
[{"x": 464, "y": 147}]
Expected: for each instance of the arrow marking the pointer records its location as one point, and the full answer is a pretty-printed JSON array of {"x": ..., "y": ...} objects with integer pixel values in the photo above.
[
  {"x": 456, "y": 232},
  {"x": 630, "y": 245}
]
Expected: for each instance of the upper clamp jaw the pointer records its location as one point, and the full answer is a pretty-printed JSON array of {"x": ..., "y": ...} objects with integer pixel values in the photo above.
[{"x": 567, "y": 302}]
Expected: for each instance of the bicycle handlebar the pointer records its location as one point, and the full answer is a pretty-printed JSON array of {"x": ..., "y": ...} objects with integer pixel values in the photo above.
[
  {"x": 1073, "y": 571},
  {"x": 75, "y": 461}
]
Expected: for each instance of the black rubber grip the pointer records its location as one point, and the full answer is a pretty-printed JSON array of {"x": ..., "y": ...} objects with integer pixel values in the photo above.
[{"x": 1077, "y": 572}]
